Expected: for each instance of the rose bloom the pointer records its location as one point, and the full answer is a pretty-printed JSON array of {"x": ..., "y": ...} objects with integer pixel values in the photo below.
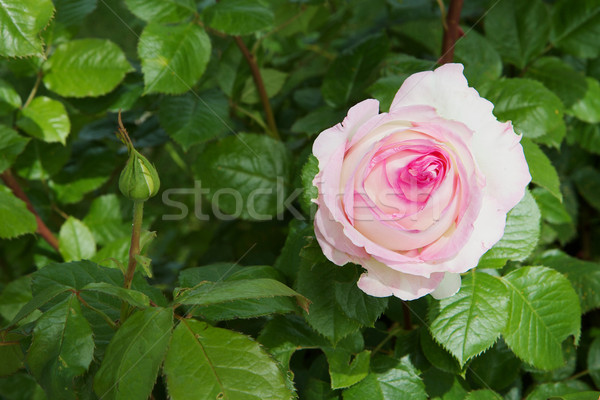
[{"x": 417, "y": 195}]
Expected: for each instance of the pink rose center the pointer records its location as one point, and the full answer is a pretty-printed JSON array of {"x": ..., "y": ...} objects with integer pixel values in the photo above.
[{"x": 421, "y": 176}]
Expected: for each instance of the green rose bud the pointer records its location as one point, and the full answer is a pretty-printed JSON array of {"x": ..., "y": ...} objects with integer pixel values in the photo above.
[{"x": 139, "y": 180}]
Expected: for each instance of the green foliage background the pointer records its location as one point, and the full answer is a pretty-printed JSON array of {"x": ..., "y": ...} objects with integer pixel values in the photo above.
[{"x": 221, "y": 310}]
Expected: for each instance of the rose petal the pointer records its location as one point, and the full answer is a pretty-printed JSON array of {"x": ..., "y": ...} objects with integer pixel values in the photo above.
[
  {"x": 447, "y": 287},
  {"x": 335, "y": 245},
  {"x": 446, "y": 89},
  {"x": 381, "y": 281}
]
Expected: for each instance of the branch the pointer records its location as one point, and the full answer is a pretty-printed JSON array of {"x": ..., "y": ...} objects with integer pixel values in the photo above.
[
  {"x": 452, "y": 31},
  {"x": 260, "y": 86},
  {"x": 34, "y": 89},
  {"x": 42, "y": 229}
]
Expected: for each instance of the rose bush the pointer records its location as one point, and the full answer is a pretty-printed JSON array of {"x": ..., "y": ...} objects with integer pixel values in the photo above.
[{"x": 417, "y": 195}]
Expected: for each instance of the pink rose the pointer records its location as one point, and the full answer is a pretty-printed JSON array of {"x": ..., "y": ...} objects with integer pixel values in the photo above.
[{"x": 417, "y": 195}]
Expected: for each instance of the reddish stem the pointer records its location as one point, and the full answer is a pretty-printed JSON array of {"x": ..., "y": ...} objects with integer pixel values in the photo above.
[
  {"x": 260, "y": 86},
  {"x": 452, "y": 31},
  {"x": 42, "y": 229}
]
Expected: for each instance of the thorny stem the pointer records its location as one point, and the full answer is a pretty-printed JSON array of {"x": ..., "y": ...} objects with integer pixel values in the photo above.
[
  {"x": 260, "y": 86},
  {"x": 134, "y": 250},
  {"x": 42, "y": 229},
  {"x": 138, "y": 215},
  {"x": 452, "y": 31},
  {"x": 123, "y": 135}
]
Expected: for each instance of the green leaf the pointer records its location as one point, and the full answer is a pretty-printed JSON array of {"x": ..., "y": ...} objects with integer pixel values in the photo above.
[
  {"x": 390, "y": 379},
  {"x": 163, "y": 11},
  {"x": 40, "y": 299},
  {"x": 535, "y": 111},
  {"x": 16, "y": 219},
  {"x": 521, "y": 235},
  {"x": 88, "y": 170},
  {"x": 322, "y": 118},
  {"x": 173, "y": 57},
  {"x": 62, "y": 348},
  {"x": 133, "y": 297},
  {"x": 132, "y": 359},
  {"x": 105, "y": 221},
  {"x": 587, "y": 395},
  {"x": 349, "y": 74},
  {"x": 14, "y": 296},
  {"x": 319, "y": 390},
  {"x": 583, "y": 275},
  {"x": 471, "y": 321},
  {"x": 243, "y": 308},
  {"x": 206, "y": 361},
  {"x": 73, "y": 12},
  {"x": 285, "y": 335},
  {"x": 11, "y": 145},
  {"x": 559, "y": 390},
  {"x": 9, "y": 98},
  {"x": 519, "y": 30},
  {"x": 21, "y": 22},
  {"x": 10, "y": 354},
  {"x": 551, "y": 207},
  {"x": 45, "y": 119},
  {"x": 338, "y": 306},
  {"x": 482, "y": 62},
  {"x": 497, "y": 368},
  {"x": 567, "y": 370},
  {"x": 587, "y": 180},
  {"x": 309, "y": 192},
  {"x": 576, "y": 26},
  {"x": 41, "y": 160},
  {"x": 593, "y": 360},
  {"x": 542, "y": 171},
  {"x": 544, "y": 310},
  {"x": 288, "y": 262},
  {"x": 191, "y": 119},
  {"x": 78, "y": 274},
  {"x": 441, "y": 385},
  {"x": 21, "y": 386},
  {"x": 483, "y": 394},
  {"x": 208, "y": 293},
  {"x": 587, "y": 136},
  {"x": 273, "y": 81},
  {"x": 569, "y": 85},
  {"x": 75, "y": 241},
  {"x": 216, "y": 272},
  {"x": 347, "y": 370},
  {"x": 587, "y": 109},
  {"x": 348, "y": 361},
  {"x": 245, "y": 176},
  {"x": 396, "y": 68},
  {"x": 85, "y": 68},
  {"x": 437, "y": 356},
  {"x": 239, "y": 17}
]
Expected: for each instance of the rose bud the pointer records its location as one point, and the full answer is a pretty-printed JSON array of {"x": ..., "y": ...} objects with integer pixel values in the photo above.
[
  {"x": 417, "y": 195},
  {"x": 139, "y": 180}
]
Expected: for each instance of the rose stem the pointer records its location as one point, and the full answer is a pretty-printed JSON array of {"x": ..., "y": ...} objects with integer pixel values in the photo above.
[
  {"x": 42, "y": 229},
  {"x": 134, "y": 250},
  {"x": 260, "y": 86},
  {"x": 452, "y": 31}
]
